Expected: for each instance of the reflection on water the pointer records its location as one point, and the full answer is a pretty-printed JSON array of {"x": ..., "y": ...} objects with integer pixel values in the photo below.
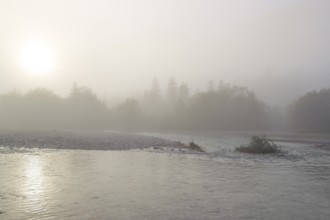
[
  {"x": 60, "y": 184},
  {"x": 32, "y": 184},
  {"x": 33, "y": 181}
]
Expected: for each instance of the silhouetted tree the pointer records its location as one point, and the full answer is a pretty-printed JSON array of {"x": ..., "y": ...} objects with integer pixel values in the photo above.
[
  {"x": 230, "y": 107},
  {"x": 85, "y": 109},
  {"x": 211, "y": 86},
  {"x": 172, "y": 89},
  {"x": 11, "y": 110},
  {"x": 43, "y": 108},
  {"x": 153, "y": 95},
  {"x": 83, "y": 96},
  {"x": 227, "y": 107},
  {"x": 184, "y": 92},
  {"x": 155, "y": 89},
  {"x": 39, "y": 108},
  {"x": 129, "y": 114},
  {"x": 311, "y": 112}
]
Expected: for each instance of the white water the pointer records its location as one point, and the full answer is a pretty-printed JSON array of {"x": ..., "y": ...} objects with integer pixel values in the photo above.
[{"x": 153, "y": 184}]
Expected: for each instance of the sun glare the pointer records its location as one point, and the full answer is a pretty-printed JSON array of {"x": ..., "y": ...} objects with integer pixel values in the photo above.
[{"x": 37, "y": 58}]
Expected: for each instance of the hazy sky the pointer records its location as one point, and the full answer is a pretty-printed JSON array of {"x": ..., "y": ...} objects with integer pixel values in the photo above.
[{"x": 279, "y": 48}]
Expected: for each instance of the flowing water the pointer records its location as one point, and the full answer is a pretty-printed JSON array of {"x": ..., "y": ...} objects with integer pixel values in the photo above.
[{"x": 166, "y": 184}]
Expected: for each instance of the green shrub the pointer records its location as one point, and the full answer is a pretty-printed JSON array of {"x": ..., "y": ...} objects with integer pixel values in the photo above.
[{"x": 259, "y": 145}]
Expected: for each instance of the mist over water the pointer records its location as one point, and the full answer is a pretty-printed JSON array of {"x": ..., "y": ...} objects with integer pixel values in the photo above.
[
  {"x": 219, "y": 107},
  {"x": 149, "y": 184},
  {"x": 164, "y": 109}
]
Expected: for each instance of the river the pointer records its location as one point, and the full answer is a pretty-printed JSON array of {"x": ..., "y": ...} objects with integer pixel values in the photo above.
[{"x": 166, "y": 184}]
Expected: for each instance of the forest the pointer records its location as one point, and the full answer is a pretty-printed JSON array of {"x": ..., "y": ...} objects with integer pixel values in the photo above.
[{"x": 219, "y": 107}]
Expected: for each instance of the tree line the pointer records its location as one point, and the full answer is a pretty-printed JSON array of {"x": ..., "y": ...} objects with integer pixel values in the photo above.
[
  {"x": 311, "y": 112},
  {"x": 219, "y": 107}
]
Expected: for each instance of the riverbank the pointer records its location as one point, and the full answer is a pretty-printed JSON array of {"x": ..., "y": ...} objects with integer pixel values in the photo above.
[{"x": 83, "y": 140}]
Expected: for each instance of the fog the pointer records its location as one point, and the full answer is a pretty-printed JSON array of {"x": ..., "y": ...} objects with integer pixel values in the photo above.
[
  {"x": 277, "y": 50},
  {"x": 165, "y": 109}
]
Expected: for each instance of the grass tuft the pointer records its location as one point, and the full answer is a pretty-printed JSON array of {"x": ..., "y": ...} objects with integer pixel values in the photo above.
[{"x": 259, "y": 145}]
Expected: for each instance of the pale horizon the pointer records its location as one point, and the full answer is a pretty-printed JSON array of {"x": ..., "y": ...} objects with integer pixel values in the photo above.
[{"x": 279, "y": 49}]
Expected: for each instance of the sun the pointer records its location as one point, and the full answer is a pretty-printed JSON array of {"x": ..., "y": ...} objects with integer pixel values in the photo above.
[{"x": 37, "y": 58}]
